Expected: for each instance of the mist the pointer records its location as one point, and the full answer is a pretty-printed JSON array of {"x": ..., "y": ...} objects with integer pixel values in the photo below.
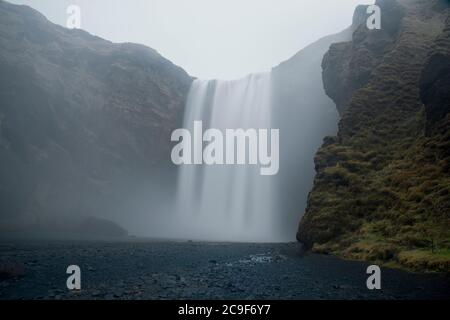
[
  {"x": 121, "y": 108},
  {"x": 210, "y": 39}
]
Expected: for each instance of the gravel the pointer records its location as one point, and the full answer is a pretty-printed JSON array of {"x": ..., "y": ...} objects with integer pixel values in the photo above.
[{"x": 192, "y": 270}]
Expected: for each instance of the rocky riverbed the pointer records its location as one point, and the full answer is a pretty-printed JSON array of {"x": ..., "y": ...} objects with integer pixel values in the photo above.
[{"x": 191, "y": 270}]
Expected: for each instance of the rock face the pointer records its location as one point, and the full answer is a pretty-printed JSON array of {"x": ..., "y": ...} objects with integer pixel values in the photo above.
[
  {"x": 348, "y": 66},
  {"x": 435, "y": 84},
  {"x": 81, "y": 118},
  {"x": 382, "y": 189},
  {"x": 304, "y": 114}
]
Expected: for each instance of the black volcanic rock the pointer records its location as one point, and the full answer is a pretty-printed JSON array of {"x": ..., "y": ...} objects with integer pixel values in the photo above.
[
  {"x": 435, "y": 94},
  {"x": 435, "y": 81},
  {"x": 81, "y": 118},
  {"x": 347, "y": 66}
]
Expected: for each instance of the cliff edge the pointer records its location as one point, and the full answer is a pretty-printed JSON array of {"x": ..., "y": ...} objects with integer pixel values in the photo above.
[{"x": 382, "y": 189}]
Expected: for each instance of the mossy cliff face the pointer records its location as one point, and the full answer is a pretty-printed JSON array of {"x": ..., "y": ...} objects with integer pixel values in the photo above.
[{"x": 382, "y": 189}]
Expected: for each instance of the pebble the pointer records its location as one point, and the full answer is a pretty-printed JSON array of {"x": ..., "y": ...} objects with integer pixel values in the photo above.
[
  {"x": 96, "y": 293},
  {"x": 184, "y": 271}
]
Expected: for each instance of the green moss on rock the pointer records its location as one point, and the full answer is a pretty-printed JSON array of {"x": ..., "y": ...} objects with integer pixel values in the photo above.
[{"x": 382, "y": 189}]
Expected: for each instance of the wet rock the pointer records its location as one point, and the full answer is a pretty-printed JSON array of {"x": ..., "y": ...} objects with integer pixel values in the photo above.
[{"x": 96, "y": 293}]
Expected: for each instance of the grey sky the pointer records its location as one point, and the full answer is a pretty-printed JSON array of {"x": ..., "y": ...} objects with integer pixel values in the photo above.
[{"x": 210, "y": 38}]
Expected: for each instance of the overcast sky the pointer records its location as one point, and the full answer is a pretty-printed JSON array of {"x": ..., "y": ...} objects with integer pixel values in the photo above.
[{"x": 210, "y": 38}]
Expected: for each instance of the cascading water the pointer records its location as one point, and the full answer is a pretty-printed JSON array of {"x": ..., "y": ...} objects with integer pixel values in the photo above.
[
  {"x": 234, "y": 202},
  {"x": 228, "y": 202}
]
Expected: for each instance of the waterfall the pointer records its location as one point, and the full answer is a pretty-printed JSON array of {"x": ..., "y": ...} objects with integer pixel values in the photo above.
[{"x": 228, "y": 202}]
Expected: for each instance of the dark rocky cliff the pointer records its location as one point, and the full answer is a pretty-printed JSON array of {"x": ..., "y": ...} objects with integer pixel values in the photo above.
[
  {"x": 305, "y": 115},
  {"x": 81, "y": 119},
  {"x": 382, "y": 189}
]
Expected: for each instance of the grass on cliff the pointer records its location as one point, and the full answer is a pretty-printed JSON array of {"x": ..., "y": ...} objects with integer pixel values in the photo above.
[
  {"x": 382, "y": 190},
  {"x": 390, "y": 206}
]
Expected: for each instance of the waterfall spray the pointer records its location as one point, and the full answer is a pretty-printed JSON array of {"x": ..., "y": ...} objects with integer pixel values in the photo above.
[{"x": 229, "y": 202}]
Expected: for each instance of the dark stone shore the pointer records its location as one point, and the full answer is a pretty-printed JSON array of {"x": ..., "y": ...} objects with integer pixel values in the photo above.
[{"x": 192, "y": 270}]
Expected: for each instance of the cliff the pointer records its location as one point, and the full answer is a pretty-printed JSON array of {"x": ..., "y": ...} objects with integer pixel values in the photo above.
[
  {"x": 81, "y": 119},
  {"x": 382, "y": 189},
  {"x": 305, "y": 115}
]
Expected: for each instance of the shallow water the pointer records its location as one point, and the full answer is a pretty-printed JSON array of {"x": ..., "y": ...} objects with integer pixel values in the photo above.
[{"x": 190, "y": 270}]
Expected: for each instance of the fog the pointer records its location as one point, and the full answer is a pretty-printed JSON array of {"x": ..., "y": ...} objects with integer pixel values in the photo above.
[
  {"x": 210, "y": 39},
  {"x": 278, "y": 86}
]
